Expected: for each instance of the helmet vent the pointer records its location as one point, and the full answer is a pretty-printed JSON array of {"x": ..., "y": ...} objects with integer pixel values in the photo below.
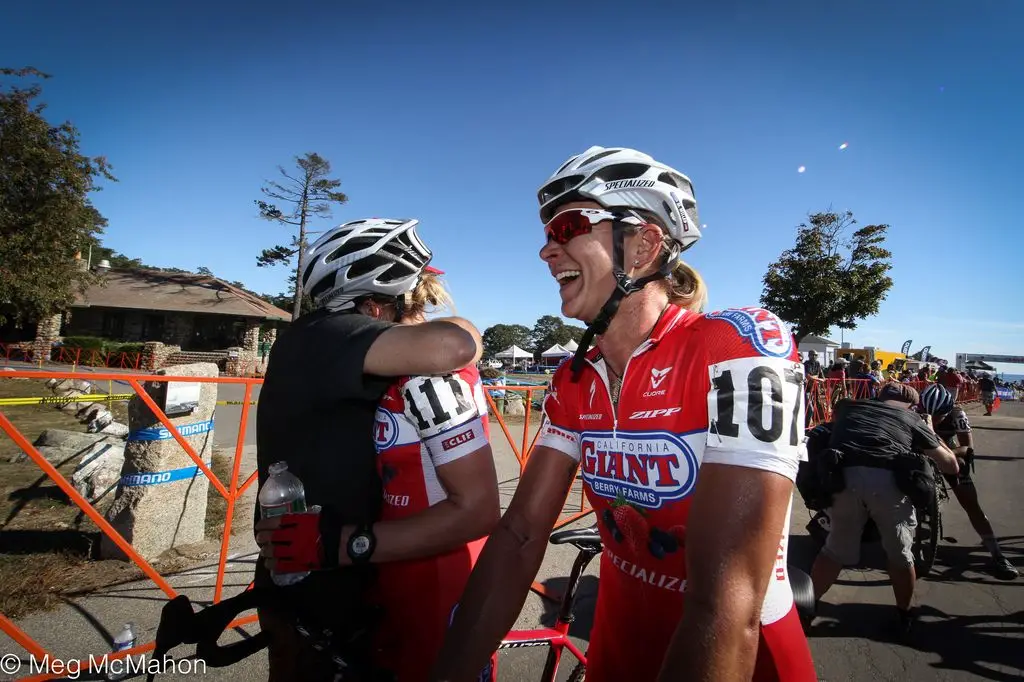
[
  {"x": 621, "y": 171},
  {"x": 596, "y": 157}
]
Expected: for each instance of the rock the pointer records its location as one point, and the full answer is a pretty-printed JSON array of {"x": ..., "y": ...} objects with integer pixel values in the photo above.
[
  {"x": 161, "y": 499},
  {"x": 90, "y": 412},
  {"x": 514, "y": 405},
  {"x": 101, "y": 420},
  {"x": 66, "y": 439},
  {"x": 115, "y": 429},
  {"x": 71, "y": 386},
  {"x": 99, "y": 469},
  {"x": 59, "y": 446}
]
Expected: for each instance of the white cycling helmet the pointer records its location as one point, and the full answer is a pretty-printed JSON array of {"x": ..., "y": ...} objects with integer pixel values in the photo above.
[
  {"x": 618, "y": 177},
  {"x": 370, "y": 257}
]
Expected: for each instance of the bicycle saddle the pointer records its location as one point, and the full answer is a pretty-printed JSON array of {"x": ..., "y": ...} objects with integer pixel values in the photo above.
[
  {"x": 584, "y": 539},
  {"x": 180, "y": 624}
]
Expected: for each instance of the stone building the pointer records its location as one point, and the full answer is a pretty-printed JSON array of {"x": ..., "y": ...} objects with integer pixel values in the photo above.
[{"x": 182, "y": 318}]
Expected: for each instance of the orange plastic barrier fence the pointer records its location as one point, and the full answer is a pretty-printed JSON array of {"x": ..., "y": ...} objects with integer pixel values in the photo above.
[
  {"x": 25, "y": 352},
  {"x": 522, "y": 451},
  {"x": 521, "y": 447},
  {"x": 231, "y": 494},
  {"x": 823, "y": 394}
]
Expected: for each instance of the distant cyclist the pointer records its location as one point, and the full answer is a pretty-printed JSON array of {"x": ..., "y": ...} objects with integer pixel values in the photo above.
[
  {"x": 327, "y": 374},
  {"x": 952, "y": 426},
  {"x": 987, "y": 386},
  {"x": 688, "y": 431}
]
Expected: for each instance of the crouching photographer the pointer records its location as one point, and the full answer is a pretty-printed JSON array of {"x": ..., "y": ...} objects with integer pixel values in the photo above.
[
  {"x": 875, "y": 441},
  {"x": 950, "y": 423}
]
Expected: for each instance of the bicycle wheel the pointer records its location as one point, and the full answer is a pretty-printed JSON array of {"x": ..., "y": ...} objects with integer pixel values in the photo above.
[
  {"x": 926, "y": 539},
  {"x": 579, "y": 673}
]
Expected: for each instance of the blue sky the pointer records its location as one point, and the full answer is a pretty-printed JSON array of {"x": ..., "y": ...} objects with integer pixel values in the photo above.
[{"x": 457, "y": 115}]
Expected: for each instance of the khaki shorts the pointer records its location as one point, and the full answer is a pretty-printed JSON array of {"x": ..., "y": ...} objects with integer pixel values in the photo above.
[{"x": 871, "y": 493}]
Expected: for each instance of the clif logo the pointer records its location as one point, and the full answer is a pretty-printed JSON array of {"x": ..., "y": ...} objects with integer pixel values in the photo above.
[
  {"x": 458, "y": 439},
  {"x": 646, "y": 469}
]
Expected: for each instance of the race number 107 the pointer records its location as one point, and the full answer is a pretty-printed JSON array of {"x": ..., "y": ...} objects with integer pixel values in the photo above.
[{"x": 740, "y": 410}]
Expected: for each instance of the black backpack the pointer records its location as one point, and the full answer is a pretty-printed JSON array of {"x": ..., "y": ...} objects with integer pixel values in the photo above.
[{"x": 821, "y": 476}]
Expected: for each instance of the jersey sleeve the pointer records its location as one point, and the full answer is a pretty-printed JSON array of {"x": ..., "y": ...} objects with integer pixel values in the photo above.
[
  {"x": 340, "y": 346},
  {"x": 448, "y": 413},
  {"x": 756, "y": 394},
  {"x": 559, "y": 430},
  {"x": 960, "y": 422}
]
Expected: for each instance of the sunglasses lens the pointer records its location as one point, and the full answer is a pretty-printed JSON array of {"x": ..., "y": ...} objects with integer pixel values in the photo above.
[{"x": 567, "y": 225}]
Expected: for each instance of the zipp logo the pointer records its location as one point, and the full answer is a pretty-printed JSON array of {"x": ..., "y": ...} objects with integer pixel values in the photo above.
[
  {"x": 653, "y": 414},
  {"x": 658, "y": 375}
]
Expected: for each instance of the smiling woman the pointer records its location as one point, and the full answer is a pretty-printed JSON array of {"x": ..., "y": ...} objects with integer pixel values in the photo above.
[{"x": 666, "y": 420}]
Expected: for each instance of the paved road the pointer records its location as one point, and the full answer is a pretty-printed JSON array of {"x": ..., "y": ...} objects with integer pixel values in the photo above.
[{"x": 972, "y": 628}]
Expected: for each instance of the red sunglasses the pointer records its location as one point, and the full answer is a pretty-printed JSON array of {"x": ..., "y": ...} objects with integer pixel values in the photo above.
[{"x": 573, "y": 222}]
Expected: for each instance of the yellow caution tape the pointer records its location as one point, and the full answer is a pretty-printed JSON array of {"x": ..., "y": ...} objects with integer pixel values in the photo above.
[
  {"x": 234, "y": 402},
  {"x": 64, "y": 400}
]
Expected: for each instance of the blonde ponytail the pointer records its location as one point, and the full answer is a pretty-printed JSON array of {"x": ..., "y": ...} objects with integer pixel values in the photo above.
[
  {"x": 429, "y": 295},
  {"x": 686, "y": 288}
]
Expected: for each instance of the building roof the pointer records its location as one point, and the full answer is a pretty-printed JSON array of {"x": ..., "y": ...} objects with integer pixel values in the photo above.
[
  {"x": 181, "y": 292},
  {"x": 818, "y": 341}
]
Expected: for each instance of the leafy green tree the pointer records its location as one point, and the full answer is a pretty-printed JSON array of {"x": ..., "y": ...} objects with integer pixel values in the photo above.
[
  {"x": 827, "y": 280},
  {"x": 306, "y": 194},
  {"x": 501, "y": 336},
  {"x": 45, "y": 213},
  {"x": 549, "y": 330}
]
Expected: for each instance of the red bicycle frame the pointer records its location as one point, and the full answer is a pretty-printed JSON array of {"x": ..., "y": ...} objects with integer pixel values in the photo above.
[{"x": 557, "y": 637}]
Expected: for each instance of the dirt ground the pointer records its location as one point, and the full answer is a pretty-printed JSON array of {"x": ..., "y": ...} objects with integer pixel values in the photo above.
[{"x": 48, "y": 546}]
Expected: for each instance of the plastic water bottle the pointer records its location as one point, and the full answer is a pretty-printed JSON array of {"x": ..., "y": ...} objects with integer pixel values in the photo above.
[
  {"x": 125, "y": 639},
  {"x": 283, "y": 493}
]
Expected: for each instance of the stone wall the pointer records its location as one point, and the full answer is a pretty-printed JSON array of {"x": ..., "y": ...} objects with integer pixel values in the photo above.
[
  {"x": 189, "y": 357},
  {"x": 251, "y": 339},
  {"x": 155, "y": 354},
  {"x": 47, "y": 333}
]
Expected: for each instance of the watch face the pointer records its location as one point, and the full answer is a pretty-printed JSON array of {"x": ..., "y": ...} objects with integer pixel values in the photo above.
[{"x": 360, "y": 544}]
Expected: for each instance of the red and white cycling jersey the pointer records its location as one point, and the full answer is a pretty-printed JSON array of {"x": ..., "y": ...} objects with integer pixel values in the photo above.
[
  {"x": 724, "y": 388},
  {"x": 422, "y": 424}
]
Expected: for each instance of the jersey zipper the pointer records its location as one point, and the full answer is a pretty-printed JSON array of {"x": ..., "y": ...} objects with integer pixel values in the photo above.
[{"x": 622, "y": 383}]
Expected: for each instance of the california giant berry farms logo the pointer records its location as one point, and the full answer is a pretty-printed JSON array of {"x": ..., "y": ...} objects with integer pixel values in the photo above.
[
  {"x": 645, "y": 469},
  {"x": 385, "y": 429},
  {"x": 765, "y": 331}
]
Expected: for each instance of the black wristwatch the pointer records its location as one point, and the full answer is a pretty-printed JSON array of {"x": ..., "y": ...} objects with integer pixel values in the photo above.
[{"x": 361, "y": 544}]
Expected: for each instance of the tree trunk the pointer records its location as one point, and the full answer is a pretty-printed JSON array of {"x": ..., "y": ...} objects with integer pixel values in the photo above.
[{"x": 297, "y": 303}]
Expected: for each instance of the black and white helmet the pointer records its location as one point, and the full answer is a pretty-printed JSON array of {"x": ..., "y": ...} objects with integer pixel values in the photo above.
[
  {"x": 370, "y": 257},
  {"x": 619, "y": 177},
  {"x": 937, "y": 400}
]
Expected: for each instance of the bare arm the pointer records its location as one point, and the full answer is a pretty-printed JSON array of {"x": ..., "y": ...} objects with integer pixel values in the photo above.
[
  {"x": 945, "y": 459},
  {"x": 506, "y": 568},
  {"x": 966, "y": 441},
  {"x": 471, "y": 511},
  {"x": 443, "y": 345},
  {"x": 736, "y": 523},
  {"x": 942, "y": 455}
]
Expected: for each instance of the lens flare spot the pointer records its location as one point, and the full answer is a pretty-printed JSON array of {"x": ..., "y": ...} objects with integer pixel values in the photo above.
[
  {"x": 801, "y": 169},
  {"x": 843, "y": 146}
]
